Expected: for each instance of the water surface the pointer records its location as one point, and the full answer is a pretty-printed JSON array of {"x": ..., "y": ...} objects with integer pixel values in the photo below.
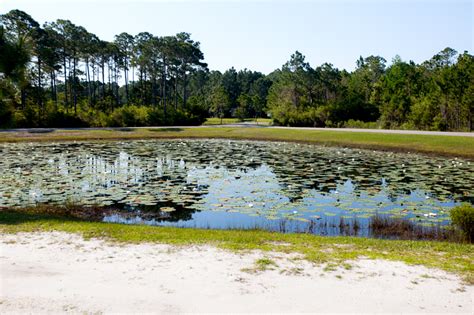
[{"x": 235, "y": 184}]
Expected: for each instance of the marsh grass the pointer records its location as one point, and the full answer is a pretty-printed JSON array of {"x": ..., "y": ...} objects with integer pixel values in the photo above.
[
  {"x": 390, "y": 227},
  {"x": 379, "y": 226}
]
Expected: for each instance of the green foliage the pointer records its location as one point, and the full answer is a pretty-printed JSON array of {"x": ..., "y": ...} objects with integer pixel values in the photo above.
[
  {"x": 126, "y": 116},
  {"x": 437, "y": 95},
  {"x": 59, "y": 74},
  {"x": 360, "y": 124},
  {"x": 137, "y": 116},
  {"x": 129, "y": 116},
  {"x": 319, "y": 97},
  {"x": 6, "y": 106},
  {"x": 463, "y": 217}
]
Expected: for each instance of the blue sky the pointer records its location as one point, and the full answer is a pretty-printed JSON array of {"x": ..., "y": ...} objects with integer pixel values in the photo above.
[{"x": 261, "y": 35}]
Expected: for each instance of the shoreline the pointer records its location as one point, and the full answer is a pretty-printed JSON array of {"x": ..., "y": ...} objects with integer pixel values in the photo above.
[{"x": 434, "y": 145}]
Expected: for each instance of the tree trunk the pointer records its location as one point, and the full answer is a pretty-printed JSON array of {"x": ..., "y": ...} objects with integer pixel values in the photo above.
[
  {"x": 66, "y": 103},
  {"x": 40, "y": 99},
  {"x": 88, "y": 78},
  {"x": 93, "y": 83},
  {"x": 140, "y": 78},
  {"x": 153, "y": 85},
  {"x": 51, "y": 78},
  {"x": 23, "y": 98},
  {"x": 74, "y": 61},
  {"x": 110, "y": 85},
  {"x": 164, "y": 88},
  {"x": 126, "y": 82},
  {"x": 184, "y": 90},
  {"x": 176, "y": 91},
  {"x": 133, "y": 83},
  {"x": 145, "y": 96},
  {"x": 153, "y": 89},
  {"x": 116, "y": 86},
  {"x": 103, "y": 80}
]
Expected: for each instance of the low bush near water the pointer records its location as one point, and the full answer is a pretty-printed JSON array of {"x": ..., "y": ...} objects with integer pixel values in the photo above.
[{"x": 463, "y": 217}]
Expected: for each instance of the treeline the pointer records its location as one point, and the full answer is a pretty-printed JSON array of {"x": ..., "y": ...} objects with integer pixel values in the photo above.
[
  {"x": 59, "y": 74},
  {"x": 435, "y": 95}
]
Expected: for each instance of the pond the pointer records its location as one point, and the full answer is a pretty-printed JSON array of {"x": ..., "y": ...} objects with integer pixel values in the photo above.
[{"x": 235, "y": 184}]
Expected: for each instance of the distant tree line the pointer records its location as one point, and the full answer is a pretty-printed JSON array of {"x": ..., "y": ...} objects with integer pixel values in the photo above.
[
  {"x": 435, "y": 95},
  {"x": 59, "y": 74}
]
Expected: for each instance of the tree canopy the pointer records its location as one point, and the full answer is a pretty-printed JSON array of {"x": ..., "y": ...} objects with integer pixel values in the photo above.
[{"x": 60, "y": 74}]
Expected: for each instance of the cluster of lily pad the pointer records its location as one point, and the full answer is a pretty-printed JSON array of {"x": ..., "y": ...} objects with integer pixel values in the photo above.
[{"x": 268, "y": 180}]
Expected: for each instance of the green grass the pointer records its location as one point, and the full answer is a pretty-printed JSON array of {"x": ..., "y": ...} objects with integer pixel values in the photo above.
[
  {"x": 225, "y": 121},
  {"x": 452, "y": 257},
  {"x": 263, "y": 264},
  {"x": 430, "y": 144}
]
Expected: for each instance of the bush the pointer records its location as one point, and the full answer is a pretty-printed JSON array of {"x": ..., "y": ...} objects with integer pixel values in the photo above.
[
  {"x": 351, "y": 123},
  {"x": 129, "y": 116},
  {"x": 6, "y": 115},
  {"x": 136, "y": 116},
  {"x": 125, "y": 116},
  {"x": 93, "y": 117},
  {"x": 60, "y": 119},
  {"x": 27, "y": 118},
  {"x": 463, "y": 217},
  {"x": 307, "y": 117}
]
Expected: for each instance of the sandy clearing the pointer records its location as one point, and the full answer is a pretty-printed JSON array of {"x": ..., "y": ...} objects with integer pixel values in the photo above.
[{"x": 58, "y": 272}]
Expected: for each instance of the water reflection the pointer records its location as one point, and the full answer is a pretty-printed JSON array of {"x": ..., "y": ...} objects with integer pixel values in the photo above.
[{"x": 234, "y": 184}]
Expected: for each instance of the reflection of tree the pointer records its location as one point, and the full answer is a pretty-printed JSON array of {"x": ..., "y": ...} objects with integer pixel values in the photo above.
[
  {"x": 324, "y": 169},
  {"x": 182, "y": 212},
  {"x": 102, "y": 170},
  {"x": 145, "y": 174}
]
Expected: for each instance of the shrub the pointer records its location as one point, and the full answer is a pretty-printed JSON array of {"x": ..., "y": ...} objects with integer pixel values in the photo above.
[
  {"x": 351, "y": 123},
  {"x": 309, "y": 117},
  {"x": 60, "y": 119},
  {"x": 129, "y": 116},
  {"x": 93, "y": 117},
  {"x": 6, "y": 115},
  {"x": 463, "y": 217}
]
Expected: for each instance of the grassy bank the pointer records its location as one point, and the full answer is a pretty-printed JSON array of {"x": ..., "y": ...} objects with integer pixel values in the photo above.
[
  {"x": 452, "y": 257},
  {"x": 430, "y": 144}
]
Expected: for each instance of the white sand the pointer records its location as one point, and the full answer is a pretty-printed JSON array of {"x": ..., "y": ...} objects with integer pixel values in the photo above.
[{"x": 58, "y": 272}]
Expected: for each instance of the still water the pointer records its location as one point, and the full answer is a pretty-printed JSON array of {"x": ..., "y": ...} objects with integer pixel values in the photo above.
[{"x": 235, "y": 184}]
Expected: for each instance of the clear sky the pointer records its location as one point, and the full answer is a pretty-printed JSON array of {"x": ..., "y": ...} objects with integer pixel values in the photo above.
[{"x": 261, "y": 35}]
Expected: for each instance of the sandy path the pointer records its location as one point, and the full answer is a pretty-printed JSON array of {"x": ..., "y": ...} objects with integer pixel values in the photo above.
[{"x": 58, "y": 272}]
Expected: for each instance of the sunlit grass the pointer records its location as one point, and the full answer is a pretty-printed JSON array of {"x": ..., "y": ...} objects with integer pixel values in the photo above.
[{"x": 440, "y": 145}]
